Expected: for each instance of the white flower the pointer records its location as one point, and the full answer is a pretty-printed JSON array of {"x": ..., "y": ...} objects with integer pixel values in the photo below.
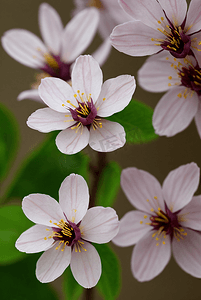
[
  {"x": 61, "y": 46},
  {"x": 65, "y": 231},
  {"x": 79, "y": 110}
]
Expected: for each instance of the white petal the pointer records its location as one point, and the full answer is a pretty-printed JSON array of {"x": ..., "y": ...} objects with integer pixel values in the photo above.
[
  {"x": 55, "y": 93},
  {"x": 148, "y": 260},
  {"x": 180, "y": 186},
  {"x": 71, "y": 141},
  {"x": 142, "y": 189},
  {"x": 175, "y": 10},
  {"x": 135, "y": 38},
  {"x": 46, "y": 120},
  {"x": 74, "y": 197},
  {"x": 42, "y": 209},
  {"x": 115, "y": 95},
  {"x": 103, "y": 51},
  {"x": 52, "y": 263},
  {"x": 30, "y": 94},
  {"x": 174, "y": 113},
  {"x": 187, "y": 252},
  {"x": 198, "y": 119},
  {"x": 190, "y": 215},
  {"x": 109, "y": 137},
  {"x": 25, "y": 47},
  {"x": 79, "y": 33},
  {"x": 99, "y": 225},
  {"x": 193, "y": 17},
  {"x": 131, "y": 230},
  {"x": 86, "y": 266},
  {"x": 106, "y": 24},
  {"x": 87, "y": 77},
  {"x": 51, "y": 27},
  {"x": 35, "y": 239}
]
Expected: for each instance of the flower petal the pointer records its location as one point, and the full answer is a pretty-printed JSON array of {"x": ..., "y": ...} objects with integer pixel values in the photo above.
[
  {"x": 135, "y": 38},
  {"x": 71, "y": 141},
  {"x": 193, "y": 19},
  {"x": 109, "y": 137},
  {"x": 51, "y": 27},
  {"x": 55, "y": 93},
  {"x": 100, "y": 225},
  {"x": 180, "y": 185},
  {"x": 190, "y": 215},
  {"x": 103, "y": 51},
  {"x": 174, "y": 113},
  {"x": 86, "y": 265},
  {"x": 87, "y": 77},
  {"x": 131, "y": 230},
  {"x": 30, "y": 94},
  {"x": 149, "y": 260},
  {"x": 42, "y": 209},
  {"x": 74, "y": 197},
  {"x": 46, "y": 120},
  {"x": 52, "y": 263},
  {"x": 79, "y": 33},
  {"x": 25, "y": 47},
  {"x": 115, "y": 95},
  {"x": 187, "y": 252},
  {"x": 198, "y": 119},
  {"x": 34, "y": 240},
  {"x": 175, "y": 10},
  {"x": 142, "y": 189}
]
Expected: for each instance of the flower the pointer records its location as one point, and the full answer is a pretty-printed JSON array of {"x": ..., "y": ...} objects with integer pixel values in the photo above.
[
  {"x": 159, "y": 25},
  {"x": 182, "y": 79},
  {"x": 167, "y": 216},
  {"x": 111, "y": 14},
  {"x": 79, "y": 110},
  {"x": 65, "y": 231},
  {"x": 61, "y": 46}
]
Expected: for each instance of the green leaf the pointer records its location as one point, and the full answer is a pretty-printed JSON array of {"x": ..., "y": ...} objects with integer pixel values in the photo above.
[
  {"x": 9, "y": 138},
  {"x": 136, "y": 119},
  {"x": 13, "y": 223},
  {"x": 108, "y": 185},
  {"x": 18, "y": 281},
  {"x": 109, "y": 284},
  {"x": 45, "y": 169},
  {"x": 71, "y": 288}
]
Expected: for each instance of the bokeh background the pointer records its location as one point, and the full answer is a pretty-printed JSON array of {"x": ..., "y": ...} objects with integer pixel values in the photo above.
[{"x": 158, "y": 157}]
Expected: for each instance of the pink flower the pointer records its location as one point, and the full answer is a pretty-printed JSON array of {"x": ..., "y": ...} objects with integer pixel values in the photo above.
[
  {"x": 166, "y": 217},
  {"x": 182, "y": 79},
  {"x": 65, "y": 231},
  {"x": 61, "y": 46},
  {"x": 159, "y": 25},
  {"x": 79, "y": 110},
  {"x": 111, "y": 14}
]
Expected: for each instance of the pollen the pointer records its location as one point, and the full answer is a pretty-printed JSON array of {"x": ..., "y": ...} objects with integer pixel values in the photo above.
[
  {"x": 169, "y": 84},
  {"x": 170, "y": 77},
  {"x": 145, "y": 216},
  {"x": 141, "y": 222}
]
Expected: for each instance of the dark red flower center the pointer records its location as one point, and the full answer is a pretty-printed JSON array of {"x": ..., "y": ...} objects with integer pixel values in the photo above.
[{"x": 191, "y": 78}]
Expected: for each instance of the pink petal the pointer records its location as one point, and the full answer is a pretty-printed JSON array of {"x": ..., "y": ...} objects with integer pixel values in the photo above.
[
  {"x": 146, "y": 11},
  {"x": 180, "y": 186},
  {"x": 99, "y": 225},
  {"x": 175, "y": 10},
  {"x": 71, "y": 141},
  {"x": 190, "y": 215},
  {"x": 42, "y": 209},
  {"x": 25, "y": 47},
  {"x": 30, "y": 94},
  {"x": 193, "y": 17},
  {"x": 115, "y": 10},
  {"x": 79, "y": 33},
  {"x": 74, "y": 197},
  {"x": 87, "y": 77},
  {"x": 174, "y": 113},
  {"x": 115, "y": 95},
  {"x": 52, "y": 263},
  {"x": 109, "y": 137},
  {"x": 131, "y": 229},
  {"x": 149, "y": 260},
  {"x": 46, "y": 120},
  {"x": 55, "y": 93},
  {"x": 51, "y": 27},
  {"x": 142, "y": 190},
  {"x": 198, "y": 119},
  {"x": 35, "y": 239},
  {"x": 187, "y": 252},
  {"x": 86, "y": 265},
  {"x": 106, "y": 24},
  {"x": 103, "y": 51},
  {"x": 135, "y": 39}
]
